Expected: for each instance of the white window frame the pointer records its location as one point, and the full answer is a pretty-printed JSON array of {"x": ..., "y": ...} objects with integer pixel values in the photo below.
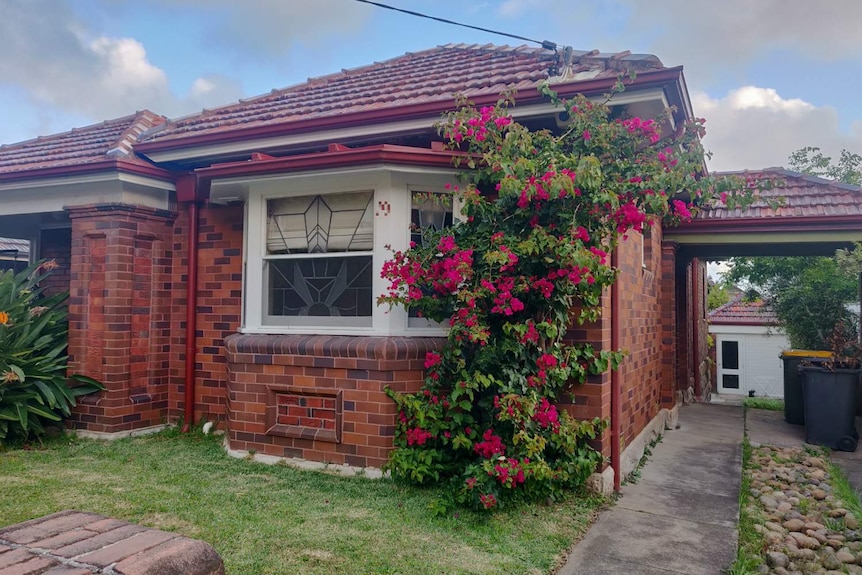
[{"x": 392, "y": 187}]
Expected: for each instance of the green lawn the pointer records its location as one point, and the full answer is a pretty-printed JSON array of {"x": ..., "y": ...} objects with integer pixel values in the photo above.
[
  {"x": 768, "y": 403},
  {"x": 275, "y": 519}
]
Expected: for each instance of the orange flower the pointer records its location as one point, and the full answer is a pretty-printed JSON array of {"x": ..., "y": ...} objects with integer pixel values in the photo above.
[
  {"x": 9, "y": 376},
  {"x": 4, "y": 318}
]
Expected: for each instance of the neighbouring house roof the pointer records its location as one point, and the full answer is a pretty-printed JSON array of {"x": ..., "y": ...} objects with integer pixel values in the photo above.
[
  {"x": 422, "y": 81},
  {"x": 804, "y": 197},
  {"x": 22, "y": 247},
  {"x": 104, "y": 145},
  {"x": 738, "y": 311}
]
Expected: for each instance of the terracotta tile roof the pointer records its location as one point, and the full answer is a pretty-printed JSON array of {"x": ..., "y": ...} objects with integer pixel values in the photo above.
[
  {"x": 433, "y": 75},
  {"x": 804, "y": 196},
  {"x": 108, "y": 140},
  {"x": 739, "y": 311}
]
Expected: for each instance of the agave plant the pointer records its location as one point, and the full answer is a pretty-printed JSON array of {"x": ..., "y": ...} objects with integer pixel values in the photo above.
[{"x": 34, "y": 386}]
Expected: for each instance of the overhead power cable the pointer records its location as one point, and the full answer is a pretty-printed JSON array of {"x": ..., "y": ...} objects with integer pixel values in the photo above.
[{"x": 546, "y": 44}]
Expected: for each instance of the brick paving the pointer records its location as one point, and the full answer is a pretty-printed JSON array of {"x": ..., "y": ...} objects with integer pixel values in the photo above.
[{"x": 77, "y": 543}]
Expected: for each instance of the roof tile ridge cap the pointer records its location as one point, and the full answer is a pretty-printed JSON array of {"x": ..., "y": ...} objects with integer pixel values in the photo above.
[{"x": 125, "y": 142}]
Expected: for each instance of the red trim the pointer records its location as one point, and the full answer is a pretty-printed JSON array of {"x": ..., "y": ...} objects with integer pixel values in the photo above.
[
  {"x": 385, "y": 153},
  {"x": 93, "y": 167},
  {"x": 782, "y": 223},
  {"x": 433, "y": 108}
]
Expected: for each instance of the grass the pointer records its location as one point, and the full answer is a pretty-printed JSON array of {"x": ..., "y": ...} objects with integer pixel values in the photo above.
[
  {"x": 276, "y": 519},
  {"x": 748, "y": 555},
  {"x": 844, "y": 491},
  {"x": 767, "y": 403}
]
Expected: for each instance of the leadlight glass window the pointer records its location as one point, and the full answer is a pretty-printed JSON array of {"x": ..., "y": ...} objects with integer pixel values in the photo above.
[
  {"x": 319, "y": 261},
  {"x": 429, "y": 211}
]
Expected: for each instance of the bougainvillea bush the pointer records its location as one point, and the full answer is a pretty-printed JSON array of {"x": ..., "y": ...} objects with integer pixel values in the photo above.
[
  {"x": 530, "y": 257},
  {"x": 33, "y": 362}
]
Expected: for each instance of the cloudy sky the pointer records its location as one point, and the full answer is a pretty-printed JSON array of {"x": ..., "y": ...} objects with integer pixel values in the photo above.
[{"x": 770, "y": 76}]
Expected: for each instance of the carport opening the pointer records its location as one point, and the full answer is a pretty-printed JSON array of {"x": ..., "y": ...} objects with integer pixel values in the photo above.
[{"x": 763, "y": 306}]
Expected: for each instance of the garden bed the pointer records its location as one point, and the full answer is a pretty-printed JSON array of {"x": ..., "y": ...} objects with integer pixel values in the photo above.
[
  {"x": 799, "y": 515},
  {"x": 276, "y": 519}
]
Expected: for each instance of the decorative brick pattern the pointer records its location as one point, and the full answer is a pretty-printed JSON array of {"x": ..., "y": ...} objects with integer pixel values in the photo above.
[
  {"x": 120, "y": 314},
  {"x": 354, "y": 371},
  {"x": 76, "y": 543},
  {"x": 304, "y": 413}
]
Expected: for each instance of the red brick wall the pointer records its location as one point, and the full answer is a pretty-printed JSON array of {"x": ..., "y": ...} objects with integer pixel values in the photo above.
[
  {"x": 219, "y": 306},
  {"x": 640, "y": 332},
  {"x": 346, "y": 417},
  {"x": 593, "y": 398},
  {"x": 56, "y": 244},
  {"x": 120, "y": 314}
]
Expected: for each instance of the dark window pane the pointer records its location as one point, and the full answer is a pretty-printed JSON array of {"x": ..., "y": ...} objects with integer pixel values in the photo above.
[
  {"x": 325, "y": 287},
  {"x": 730, "y": 354},
  {"x": 730, "y": 381}
]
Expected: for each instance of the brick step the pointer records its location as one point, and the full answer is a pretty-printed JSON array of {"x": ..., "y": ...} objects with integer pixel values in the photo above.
[{"x": 78, "y": 543}]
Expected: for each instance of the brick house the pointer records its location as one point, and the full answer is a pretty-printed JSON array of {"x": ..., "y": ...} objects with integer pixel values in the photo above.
[{"x": 223, "y": 266}]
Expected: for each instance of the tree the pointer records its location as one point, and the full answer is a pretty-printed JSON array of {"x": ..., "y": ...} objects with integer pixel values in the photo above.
[
  {"x": 542, "y": 214},
  {"x": 810, "y": 295},
  {"x": 717, "y": 294},
  {"x": 810, "y": 160}
]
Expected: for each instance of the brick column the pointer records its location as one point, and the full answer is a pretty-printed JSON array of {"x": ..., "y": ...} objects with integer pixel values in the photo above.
[
  {"x": 119, "y": 313},
  {"x": 668, "y": 299}
]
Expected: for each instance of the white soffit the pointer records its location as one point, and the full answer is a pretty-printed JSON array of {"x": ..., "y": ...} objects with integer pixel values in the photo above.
[{"x": 56, "y": 194}]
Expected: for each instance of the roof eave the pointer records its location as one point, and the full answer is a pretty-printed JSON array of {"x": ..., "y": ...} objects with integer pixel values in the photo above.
[
  {"x": 93, "y": 167},
  {"x": 764, "y": 224}
]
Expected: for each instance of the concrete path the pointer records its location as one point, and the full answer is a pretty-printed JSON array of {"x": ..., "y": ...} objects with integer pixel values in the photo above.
[{"x": 681, "y": 515}]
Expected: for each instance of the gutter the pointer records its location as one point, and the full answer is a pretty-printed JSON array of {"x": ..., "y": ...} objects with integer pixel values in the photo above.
[
  {"x": 731, "y": 224},
  {"x": 112, "y": 165}
]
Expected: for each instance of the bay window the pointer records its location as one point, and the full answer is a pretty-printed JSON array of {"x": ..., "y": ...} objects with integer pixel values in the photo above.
[{"x": 315, "y": 245}]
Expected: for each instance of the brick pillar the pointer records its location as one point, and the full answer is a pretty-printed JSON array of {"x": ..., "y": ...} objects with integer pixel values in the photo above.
[
  {"x": 668, "y": 302},
  {"x": 119, "y": 314}
]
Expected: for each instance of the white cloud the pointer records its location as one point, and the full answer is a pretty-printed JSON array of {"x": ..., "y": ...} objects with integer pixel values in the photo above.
[
  {"x": 515, "y": 8},
  {"x": 271, "y": 28},
  {"x": 701, "y": 33},
  {"x": 753, "y": 127},
  {"x": 52, "y": 56}
]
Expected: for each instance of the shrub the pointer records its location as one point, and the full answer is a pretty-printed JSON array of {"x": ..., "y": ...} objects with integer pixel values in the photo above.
[
  {"x": 541, "y": 215},
  {"x": 33, "y": 361}
]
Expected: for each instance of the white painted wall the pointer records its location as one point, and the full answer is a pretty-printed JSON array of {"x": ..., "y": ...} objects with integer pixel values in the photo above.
[{"x": 760, "y": 367}]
